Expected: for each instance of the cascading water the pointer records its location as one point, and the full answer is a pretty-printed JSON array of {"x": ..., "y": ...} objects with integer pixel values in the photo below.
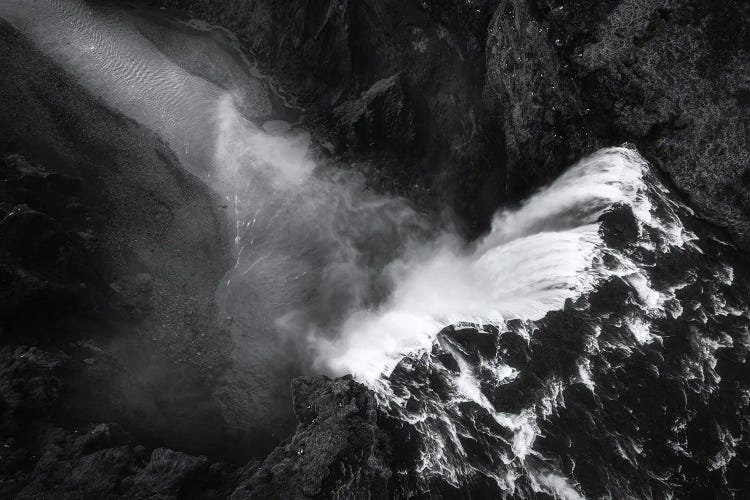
[
  {"x": 593, "y": 344},
  {"x": 622, "y": 378},
  {"x": 533, "y": 259}
]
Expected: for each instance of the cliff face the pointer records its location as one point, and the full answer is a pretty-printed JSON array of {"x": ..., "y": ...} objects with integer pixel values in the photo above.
[
  {"x": 501, "y": 95},
  {"x": 668, "y": 76},
  {"x": 393, "y": 82},
  {"x": 470, "y": 104}
]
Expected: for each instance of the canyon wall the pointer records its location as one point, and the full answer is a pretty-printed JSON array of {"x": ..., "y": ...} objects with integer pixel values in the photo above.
[{"x": 494, "y": 98}]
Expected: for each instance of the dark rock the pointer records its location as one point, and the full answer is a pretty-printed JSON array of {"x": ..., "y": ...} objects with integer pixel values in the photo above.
[
  {"x": 134, "y": 293},
  {"x": 166, "y": 474},
  {"x": 382, "y": 118},
  {"x": 473, "y": 340},
  {"x": 619, "y": 226},
  {"x": 337, "y": 54},
  {"x": 337, "y": 449},
  {"x": 73, "y": 466},
  {"x": 43, "y": 262},
  {"x": 571, "y": 77},
  {"x": 29, "y": 384},
  {"x": 100, "y": 464},
  {"x": 525, "y": 88}
]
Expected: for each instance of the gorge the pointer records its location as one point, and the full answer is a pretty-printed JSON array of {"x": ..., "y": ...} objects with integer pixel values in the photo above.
[{"x": 483, "y": 249}]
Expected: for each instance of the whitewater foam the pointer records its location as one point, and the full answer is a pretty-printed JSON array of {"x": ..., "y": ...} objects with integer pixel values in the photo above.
[
  {"x": 549, "y": 252},
  {"x": 335, "y": 269},
  {"x": 532, "y": 261}
]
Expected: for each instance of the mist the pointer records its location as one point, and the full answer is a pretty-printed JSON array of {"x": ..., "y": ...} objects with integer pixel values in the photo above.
[
  {"x": 533, "y": 259},
  {"x": 312, "y": 247},
  {"x": 252, "y": 249},
  {"x": 328, "y": 276},
  {"x": 311, "y": 242}
]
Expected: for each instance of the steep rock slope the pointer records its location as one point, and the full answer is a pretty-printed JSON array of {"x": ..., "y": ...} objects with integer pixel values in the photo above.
[
  {"x": 394, "y": 84},
  {"x": 109, "y": 253},
  {"x": 109, "y": 349},
  {"x": 669, "y": 76},
  {"x": 498, "y": 97}
]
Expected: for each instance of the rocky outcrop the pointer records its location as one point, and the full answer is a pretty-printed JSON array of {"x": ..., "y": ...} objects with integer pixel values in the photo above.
[
  {"x": 381, "y": 119},
  {"x": 668, "y": 76},
  {"x": 39, "y": 457},
  {"x": 338, "y": 450}
]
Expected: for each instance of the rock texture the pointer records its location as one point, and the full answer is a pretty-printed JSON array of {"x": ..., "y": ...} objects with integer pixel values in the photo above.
[
  {"x": 506, "y": 94},
  {"x": 669, "y": 76},
  {"x": 337, "y": 449},
  {"x": 98, "y": 227},
  {"x": 469, "y": 104},
  {"x": 382, "y": 118},
  {"x": 97, "y": 461},
  {"x": 375, "y": 76}
]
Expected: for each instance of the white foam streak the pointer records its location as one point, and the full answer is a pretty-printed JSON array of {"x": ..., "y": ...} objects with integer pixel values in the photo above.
[
  {"x": 641, "y": 330},
  {"x": 581, "y": 194},
  {"x": 556, "y": 485}
]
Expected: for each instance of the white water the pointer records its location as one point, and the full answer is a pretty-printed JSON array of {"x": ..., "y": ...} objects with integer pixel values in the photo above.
[
  {"x": 533, "y": 259},
  {"x": 311, "y": 249},
  {"x": 292, "y": 226}
]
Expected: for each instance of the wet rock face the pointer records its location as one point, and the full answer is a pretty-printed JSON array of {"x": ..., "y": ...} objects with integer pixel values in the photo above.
[{"x": 669, "y": 76}]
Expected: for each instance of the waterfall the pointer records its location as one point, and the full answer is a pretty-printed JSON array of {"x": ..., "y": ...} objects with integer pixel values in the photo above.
[{"x": 572, "y": 348}]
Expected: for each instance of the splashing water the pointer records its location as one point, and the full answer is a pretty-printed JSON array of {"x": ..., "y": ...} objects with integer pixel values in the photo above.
[
  {"x": 533, "y": 259},
  {"x": 580, "y": 371},
  {"x": 578, "y": 349}
]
